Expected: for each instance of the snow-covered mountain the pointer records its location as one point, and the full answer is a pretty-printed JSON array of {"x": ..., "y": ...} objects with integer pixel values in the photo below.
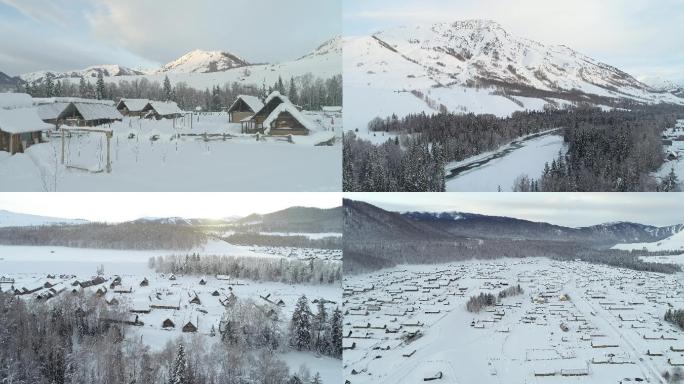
[
  {"x": 107, "y": 70},
  {"x": 8, "y": 82},
  {"x": 14, "y": 219},
  {"x": 205, "y": 69},
  {"x": 477, "y": 66},
  {"x": 672, "y": 243},
  {"x": 199, "y": 61}
]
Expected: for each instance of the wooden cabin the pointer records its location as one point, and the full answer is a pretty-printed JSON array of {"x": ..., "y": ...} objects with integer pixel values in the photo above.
[
  {"x": 132, "y": 107},
  {"x": 243, "y": 107},
  {"x": 161, "y": 110},
  {"x": 256, "y": 122},
  {"x": 167, "y": 323},
  {"x": 195, "y": 300},
  {"x": 189, "y": 327},
  {"x": 20, "y": 124},
  {"x": 285, "y": 120},
  {"x": 77, "y": 112},
  {"x": 144, "y": 282}
]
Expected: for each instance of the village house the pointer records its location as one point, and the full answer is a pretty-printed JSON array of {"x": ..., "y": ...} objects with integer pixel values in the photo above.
[
  {"x": 132, "y": 107},
  {"x": 278, "y": 116},
  {"x": 20, "y": 124},
  {"x": 161, "y": 110},
  {"x": 77, "y": 112},
  {"x": 244, "y": 107},
  {"x": 168, "y": 323}
]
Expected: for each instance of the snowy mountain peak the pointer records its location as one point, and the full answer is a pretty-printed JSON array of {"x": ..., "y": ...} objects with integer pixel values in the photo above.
[
  {"x": 481, "y": 53},
  {"x": 201, "y": 61},
  {"x": 332, "y": 46},
  {"x": 107, "y": 70}
]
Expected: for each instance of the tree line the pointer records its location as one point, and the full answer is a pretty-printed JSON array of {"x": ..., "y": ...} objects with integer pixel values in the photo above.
[
  {"x": 307, "y": 91},
  {"x": 676, "y": 317},
  {"x": 477, "y": 302},
  {"x": 285, "y": 270},
  {"x": 296, "y": 241},
  {"x": 129, "y": 235}
]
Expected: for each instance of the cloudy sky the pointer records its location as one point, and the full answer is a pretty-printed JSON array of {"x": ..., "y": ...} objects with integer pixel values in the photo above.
[
  {"x": 74, "y": 34},
  {"x": 568, "y": 209},
  {"x": 117, "y": 207},
  {"x": 642, "y": 37}
]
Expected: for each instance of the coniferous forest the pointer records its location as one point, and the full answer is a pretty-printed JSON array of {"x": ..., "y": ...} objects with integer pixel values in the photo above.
[{"x": 607, "y": 150}]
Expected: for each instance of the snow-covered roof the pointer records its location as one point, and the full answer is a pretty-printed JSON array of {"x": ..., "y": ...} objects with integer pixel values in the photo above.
[
  {"x": 331, "y": 108},
  {"x": 288, "y": 107},
  {"x": 277, "y": 94},
  {"x": 134, "y": 105},
  {"x": 15, "y": 100},
  {"x": 18, "y": 115},
  {"x": 165, "y": 108},
  {"x": 47, "y": 100},
  {"x": 97, "y": 111},
  {"x": 51, "y": 111},
  {"x": 253, "y": 102}
]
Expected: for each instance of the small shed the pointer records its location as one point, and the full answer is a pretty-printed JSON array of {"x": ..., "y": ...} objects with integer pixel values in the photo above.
[
  {"x": 168, "y": 323},
  {"x": 189, "y": 327}
]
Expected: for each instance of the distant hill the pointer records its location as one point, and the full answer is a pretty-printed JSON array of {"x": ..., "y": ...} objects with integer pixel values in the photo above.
[
  {"x": 376, "y": 238},
  {"x": 295, "y": 219},
  {"x": 14, "y": 219}
]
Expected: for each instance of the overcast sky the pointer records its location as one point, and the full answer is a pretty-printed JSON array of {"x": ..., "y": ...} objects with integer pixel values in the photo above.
[
  {"x": 568, "y": 209},
  {"x": 73, "y": 34},
  {"x": 642, "y": 37},
  {"x": 117, "y": 207}
]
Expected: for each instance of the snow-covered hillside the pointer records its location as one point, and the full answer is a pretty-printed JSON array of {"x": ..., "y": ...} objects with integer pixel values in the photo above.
[
  {"x": 672, "y": 243},
  {"x": 14, "y": 219},
  {"x": 199, "y": 61},
  {"x": 444, "y": 63}
]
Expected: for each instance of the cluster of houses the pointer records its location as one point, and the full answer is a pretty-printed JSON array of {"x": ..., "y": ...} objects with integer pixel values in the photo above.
[
  {"x": 24, "y": 119},
  {"x": 276, "y": 115}
]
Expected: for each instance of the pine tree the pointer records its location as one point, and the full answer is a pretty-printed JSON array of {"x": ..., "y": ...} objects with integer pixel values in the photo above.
[
  {"x": 669, "y": 182},
  {"x": 348, "y": 182},
  {"x": 100, "y": 87},
  {"x": 49, "y": 85},
  {"x": 82, "y": 89},
  {"x": 58, "y": 88},
  {"x": 336, "y": 333},
  {"x": 280, "y": 87},
  {"x": 300, "y": 325},
  {"x": 168, "y": 90},
  {"x": 179, "y": 371},
  {"x": 317, "y": 379},
  {"x": 292, "y": 93},
  {"x": 321, "y": 329}
]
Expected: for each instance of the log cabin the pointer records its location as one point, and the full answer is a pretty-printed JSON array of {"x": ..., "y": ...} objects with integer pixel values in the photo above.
[
  {"x": 256, "y": 122},
  {"x": 286, "y": 119},
  {"x": 20, "y": 125},
  {"x": 161, "y": 110},
  {"x": 77, "y": 112},
  {"x": 132, "y": 107},
  {"x": 244, "y": 107}
]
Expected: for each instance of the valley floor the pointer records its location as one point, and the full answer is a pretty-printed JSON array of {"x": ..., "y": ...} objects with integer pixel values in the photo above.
[
  {"x": 613, "y": 318},
  {"x": 497, "y": 170},
  {"x": 152, "y": 155}
]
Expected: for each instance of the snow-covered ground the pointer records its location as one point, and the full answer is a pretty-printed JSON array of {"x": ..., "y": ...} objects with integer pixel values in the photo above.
[
  {"x": 29, "y": 267},
  {"x": 612, "y": 317},
  {"x": 676, "y": 135},
  {"x": 490, "y": 171},
  {"x": 312, "y": 236},
  {"x": 149, "y": 155}
]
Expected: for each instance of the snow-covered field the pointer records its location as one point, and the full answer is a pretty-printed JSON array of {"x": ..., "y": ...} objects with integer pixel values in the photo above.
[
  {"x": 498, "y": 169},
  {"x": 672, "y": 243},
  {"x": 30, "y": 266},
  {"x": 149, "y": 155},
  {"x": 312, "y": 236},
  {"x": 613, "y": 320}
]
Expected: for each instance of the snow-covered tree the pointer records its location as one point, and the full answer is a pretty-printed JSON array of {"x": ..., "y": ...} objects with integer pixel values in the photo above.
[
  {"x": 100, "y": 91},
  {"x": 300, "y": 325},
  {"x": 179, "y": 374}
]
